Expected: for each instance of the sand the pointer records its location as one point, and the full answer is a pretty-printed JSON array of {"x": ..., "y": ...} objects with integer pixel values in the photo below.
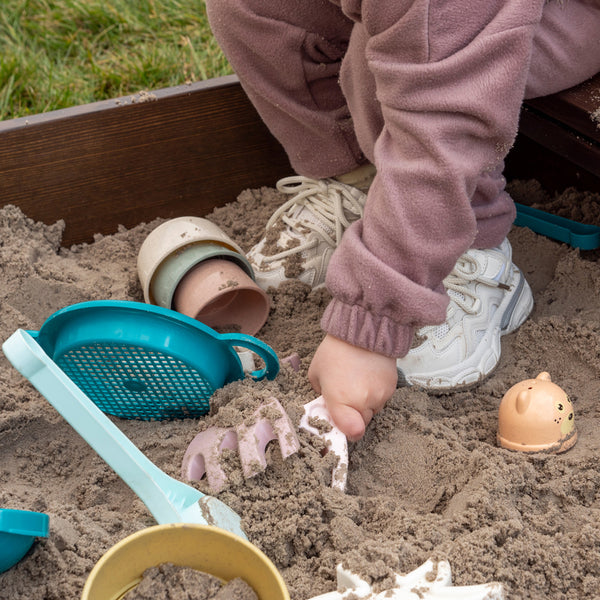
[
  {"x": 169, "y": 582},
  {"x": 427, "y": 481}
]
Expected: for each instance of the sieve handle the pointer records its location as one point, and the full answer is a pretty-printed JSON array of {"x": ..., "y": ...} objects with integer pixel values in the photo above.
[{"x": 264, "y": 351}]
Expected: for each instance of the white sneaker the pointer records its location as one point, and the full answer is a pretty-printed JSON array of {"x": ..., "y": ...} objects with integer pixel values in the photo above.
[
  {"x": 489, "y": 297},
  {"x": 303, "y": 233}
]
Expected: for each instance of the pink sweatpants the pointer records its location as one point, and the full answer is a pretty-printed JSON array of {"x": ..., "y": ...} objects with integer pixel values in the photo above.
[{"x": 430, "y": 93}]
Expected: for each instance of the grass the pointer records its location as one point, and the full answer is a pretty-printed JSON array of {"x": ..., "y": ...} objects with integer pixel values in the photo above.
[{"x": 60, "y": 53}]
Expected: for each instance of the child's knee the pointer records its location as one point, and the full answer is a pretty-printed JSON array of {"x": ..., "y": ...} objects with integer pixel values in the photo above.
[{"x": 228, "y": 16}]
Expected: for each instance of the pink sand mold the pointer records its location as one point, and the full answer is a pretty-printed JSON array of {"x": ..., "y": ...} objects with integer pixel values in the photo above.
[
  {"x": 336, "y": 441},
  {"x": 431, "y": 580},
  {"x": 293, "y": 360},
  {"x": 203, "y": 455}
]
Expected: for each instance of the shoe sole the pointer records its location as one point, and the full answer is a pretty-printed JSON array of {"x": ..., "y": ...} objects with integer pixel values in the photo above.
[{"x": 514, "y": 310}]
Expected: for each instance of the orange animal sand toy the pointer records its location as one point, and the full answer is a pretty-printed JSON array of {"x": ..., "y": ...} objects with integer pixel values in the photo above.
[{"x": 536, "y": 415}]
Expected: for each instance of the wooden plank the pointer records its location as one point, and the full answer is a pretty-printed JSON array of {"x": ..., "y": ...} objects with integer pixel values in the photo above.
[
  {"x": 187, "y": 149},
  {"x": 566, "y": 142},
  {"x": 530, "y": 160},
  {"x": 559, "y": 140},
  {"x": 574, "y": 108},
  {"x": 177, "y": 151}
]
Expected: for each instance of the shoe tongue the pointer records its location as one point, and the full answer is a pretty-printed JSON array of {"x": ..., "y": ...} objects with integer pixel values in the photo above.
[
  {"x": 301, "y": 213},
  {"x": 290, "y": 237}
]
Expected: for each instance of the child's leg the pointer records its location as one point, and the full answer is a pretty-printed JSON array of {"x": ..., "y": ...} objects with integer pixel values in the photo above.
[
  {"x": 450, "y": 81},
  {"x": 566, "y": 48},
  {"x": 566, "y": 51},
  {"x": 287, "y": 55}
]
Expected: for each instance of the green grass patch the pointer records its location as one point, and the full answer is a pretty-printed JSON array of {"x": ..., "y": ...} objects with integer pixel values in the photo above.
[{"x": 60, "y": 53}]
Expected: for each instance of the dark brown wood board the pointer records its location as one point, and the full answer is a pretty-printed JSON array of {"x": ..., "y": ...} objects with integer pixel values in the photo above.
[
  {"x": 176, "y": 151},
  {"x": 188, "y": 149}
]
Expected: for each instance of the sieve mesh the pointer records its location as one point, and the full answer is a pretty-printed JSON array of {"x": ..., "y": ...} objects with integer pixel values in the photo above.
[{"x": 132, "y": 382}]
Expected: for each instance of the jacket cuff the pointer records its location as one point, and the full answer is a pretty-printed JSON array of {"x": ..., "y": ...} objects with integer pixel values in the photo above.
[{"x": 358, "y": 327}]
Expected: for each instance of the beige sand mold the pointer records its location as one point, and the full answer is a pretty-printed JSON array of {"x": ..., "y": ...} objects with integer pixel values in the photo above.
[
  {"x": 175, "y": 238},
  {"x": 536, "y": 415}
]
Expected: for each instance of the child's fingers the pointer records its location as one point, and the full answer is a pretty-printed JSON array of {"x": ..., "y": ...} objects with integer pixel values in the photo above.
[{"x": 348, "y": 420}]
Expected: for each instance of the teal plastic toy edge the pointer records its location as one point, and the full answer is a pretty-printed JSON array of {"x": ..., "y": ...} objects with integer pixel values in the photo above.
[
  {"x": 573, "y": 233},
  {"x": 18, "y": 530},
  {"x": 263, "y": 350},
  {"x": 24, "y": 522}
]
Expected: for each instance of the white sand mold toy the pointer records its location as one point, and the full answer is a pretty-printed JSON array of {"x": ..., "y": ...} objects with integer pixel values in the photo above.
[{"x": 432, "y": 580}]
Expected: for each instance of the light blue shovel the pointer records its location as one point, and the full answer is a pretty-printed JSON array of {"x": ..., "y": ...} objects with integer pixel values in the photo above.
[{"x": 169, "y": 500}]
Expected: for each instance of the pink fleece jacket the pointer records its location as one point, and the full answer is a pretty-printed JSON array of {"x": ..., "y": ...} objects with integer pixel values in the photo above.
[{"x": 429, "y": 92}]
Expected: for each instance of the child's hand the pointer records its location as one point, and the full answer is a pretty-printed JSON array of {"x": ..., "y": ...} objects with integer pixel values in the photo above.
[{"x": 356, "y": 383}]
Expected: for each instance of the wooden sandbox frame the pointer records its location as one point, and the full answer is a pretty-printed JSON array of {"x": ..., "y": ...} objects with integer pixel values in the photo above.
[{"x": 187, "y": 149}]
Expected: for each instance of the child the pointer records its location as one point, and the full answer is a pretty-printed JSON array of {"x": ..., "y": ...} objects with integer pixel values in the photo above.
[{"x": 397, "y": 116}]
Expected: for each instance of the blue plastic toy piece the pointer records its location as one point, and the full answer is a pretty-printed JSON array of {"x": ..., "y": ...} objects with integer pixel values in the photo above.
[{"x": 18, "y": 530}]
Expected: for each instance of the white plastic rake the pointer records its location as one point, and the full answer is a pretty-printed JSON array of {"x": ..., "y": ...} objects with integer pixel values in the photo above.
[{"x": 317, "y": 420}]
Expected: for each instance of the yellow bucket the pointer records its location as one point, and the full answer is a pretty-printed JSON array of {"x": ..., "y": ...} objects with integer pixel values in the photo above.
[{"x": 201, "y": 547}]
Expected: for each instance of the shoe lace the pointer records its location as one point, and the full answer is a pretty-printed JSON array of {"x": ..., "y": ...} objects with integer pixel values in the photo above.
[
  {"x": 466, "y": 271},
  {"x": 321, "y": 206}
]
